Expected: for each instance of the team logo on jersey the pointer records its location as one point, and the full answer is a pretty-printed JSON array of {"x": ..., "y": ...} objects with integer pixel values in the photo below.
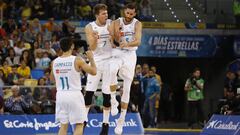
[{"x": 57, "y": 71}]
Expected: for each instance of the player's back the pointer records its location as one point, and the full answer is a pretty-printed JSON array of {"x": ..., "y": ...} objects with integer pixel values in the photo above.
[
  {"x": 103, "y": 50},
  {"x": 67, "y": 78}
]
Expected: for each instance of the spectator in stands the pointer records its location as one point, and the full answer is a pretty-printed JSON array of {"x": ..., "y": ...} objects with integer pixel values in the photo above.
[
  {"x": 42, "y": 95},
  {"x": 152, "y": 94},
  {"x": 47, "y": 48},
  {"x": 16, "y": 103},
  {"x": 9, "y": 26},
  {"x": 12, "y": 10},
  {"x": 13, "y": 78},
  {"x": 29, "y": 35},
  {"x": 50, "y": 25},
  {"x": 35, "y": 27},
  {"x": 47, "y": 77},
  {"x": 139, "y": 77},
  {"x": 67, "y": 28},
  {"x": 194, "y": 88},
  {"x": 145, "y": 69},
  {"x": 38, "y": 10},
  {"x": 1, "y": 105},
  {"x": 3, "y": 79},
  {"x": 39, "y": 40},
  {"x": 3, "y": 5},
  {"x": 236, "y": 11},
  {"x": 6, "y": 68},
  {"x": 12, "y": 59},
  {"x": 24, "y": 70},
  {"x": 135, "y": 93},
  {"x": 236, "y": 84},
  {"x": 145, "y": 10},
  {"x": 229, "y": 82},
  {"x": 23, "y": 25},
  {"x": 41, "y": 92},
  {"x": 55, "y": 42},
  {"x": 26, "y": 10},
  {"x": 84, "y": 10},
  {"x": 44, "y": 62},
  {"x": 26, "y": 56},
  {"x": 158, "y": 77},
  {"x": 230, "y": 105},
  {"x": 99, "y": 103},
  {"x": 165, "y": 109},
  {"x": 19, "y": 48}
]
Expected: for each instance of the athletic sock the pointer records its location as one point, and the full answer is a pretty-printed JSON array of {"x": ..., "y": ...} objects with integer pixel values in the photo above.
[
  {"x": 123, "y": 114},
  {"x": 106, "y": 114}
]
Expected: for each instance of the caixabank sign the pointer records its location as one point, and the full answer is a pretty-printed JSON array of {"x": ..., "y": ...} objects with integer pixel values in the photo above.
[
  {"x": 222, "y": 125},
  {"x": 45, "y": 124}
]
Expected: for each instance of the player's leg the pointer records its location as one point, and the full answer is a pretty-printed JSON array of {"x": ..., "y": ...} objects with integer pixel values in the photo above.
[
  {"x": 115, "y": 65},
  {"x": 124, "y": 105},
  {"x": 63, "y": 129},
  {"x": 61, "y": 114},
  {"x": 77, "y": 112},
  {"x": 126, "y": 72},
  {"x": 106, "y": 113},
  {"x": 78, "y": 129},
  {"x": 106, "y": 98},
  {"x": 91, "y": 87}
]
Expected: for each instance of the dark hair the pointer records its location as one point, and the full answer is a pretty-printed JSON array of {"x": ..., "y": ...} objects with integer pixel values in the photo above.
[
  {"x": 11, "y": 49},
  {"x": 66, "y": 43},
  {"x": 196, "y": 69},
  {"x": 131, "y": 6},
  {"x": 98, "y": 7}
]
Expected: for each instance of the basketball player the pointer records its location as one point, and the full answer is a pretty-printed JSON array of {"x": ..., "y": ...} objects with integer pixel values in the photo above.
[
  {"x": 98, "y": 39},
  {"x": 127, "y": 32},
  {"x": 70, "y": 104}
]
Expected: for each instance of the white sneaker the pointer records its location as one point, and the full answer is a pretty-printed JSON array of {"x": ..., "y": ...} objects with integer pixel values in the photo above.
[
  {"x": 119, "y": 127},
  {"x": 114, "y": 107}
]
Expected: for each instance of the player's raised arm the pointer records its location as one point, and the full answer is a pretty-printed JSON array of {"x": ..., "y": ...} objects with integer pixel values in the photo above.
[
  {"x": 91, "y": 69},
  {"x": 91, "y": 37}
]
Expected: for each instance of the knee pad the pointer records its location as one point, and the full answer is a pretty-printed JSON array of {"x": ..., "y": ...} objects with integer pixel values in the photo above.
[
  {"x": 106, "y": 100},
  {"x": 88, "y": 97},
  {"x": 126, "y": 90}
]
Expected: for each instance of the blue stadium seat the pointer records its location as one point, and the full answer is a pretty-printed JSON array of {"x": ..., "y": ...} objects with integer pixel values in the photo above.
[{"x": 37, "y": 73}]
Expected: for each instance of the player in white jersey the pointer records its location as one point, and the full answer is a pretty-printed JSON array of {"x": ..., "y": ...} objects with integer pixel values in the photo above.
[
  {"x": 127, "y": 32},
  {"x": 70, "y": 104},
  {"x": 98, "y": 39}
]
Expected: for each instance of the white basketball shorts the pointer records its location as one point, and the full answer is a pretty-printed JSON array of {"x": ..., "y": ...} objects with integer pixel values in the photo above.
[{"x": 70, "y": 107}]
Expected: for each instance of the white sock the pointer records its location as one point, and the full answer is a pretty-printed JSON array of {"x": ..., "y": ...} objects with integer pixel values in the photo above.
[
  {"x": 113, "y": 96},
  {"x": 106, "y": 114},
  {"x": 123, "y": 114}
]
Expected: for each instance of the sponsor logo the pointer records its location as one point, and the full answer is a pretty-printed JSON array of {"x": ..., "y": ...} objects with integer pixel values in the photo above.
[
  {"x": 97, "y": 123},
  {"x": 218, "y": 124},
  {"x": 28, "y": 124}
]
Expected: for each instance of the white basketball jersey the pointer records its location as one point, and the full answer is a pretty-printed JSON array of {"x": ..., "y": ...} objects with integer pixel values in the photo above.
[
  {"x": 65, "y": 74},
  {"x": 127, "y": 32},
  {"x": 104, "y": 48}
]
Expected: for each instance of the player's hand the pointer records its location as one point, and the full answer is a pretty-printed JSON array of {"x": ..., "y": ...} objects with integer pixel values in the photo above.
[
  {"x": 89, "y": 55},
  {"x": 123, "y": 44}
]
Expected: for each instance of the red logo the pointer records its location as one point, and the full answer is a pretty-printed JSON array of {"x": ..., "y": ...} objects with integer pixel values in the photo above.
[{"x": 57, "y": 71}]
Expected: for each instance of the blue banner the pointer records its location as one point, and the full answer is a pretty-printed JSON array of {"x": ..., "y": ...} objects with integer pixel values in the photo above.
[
  {"x": 158, "y": 45},
  {"x": 45, "y": 124},
  {"x": 222, "y": 125}
]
